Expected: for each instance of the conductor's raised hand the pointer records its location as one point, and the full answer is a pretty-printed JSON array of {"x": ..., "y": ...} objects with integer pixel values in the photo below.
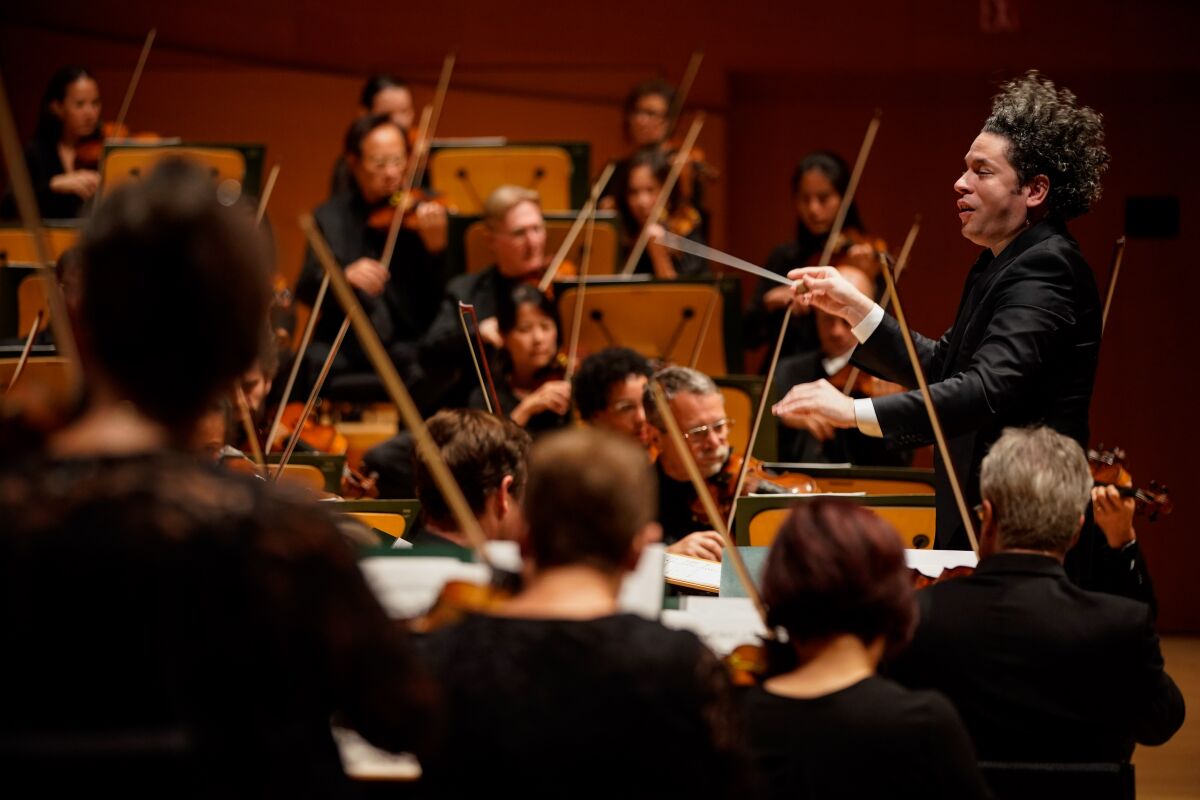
[{"x": 827, "y": 289}]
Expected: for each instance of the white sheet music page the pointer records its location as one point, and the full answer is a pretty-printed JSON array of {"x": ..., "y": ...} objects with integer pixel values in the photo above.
[{"x": 695, "y": 572}]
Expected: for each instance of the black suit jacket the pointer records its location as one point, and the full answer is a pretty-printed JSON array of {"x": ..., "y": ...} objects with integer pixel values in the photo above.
[
  {"x": 1022, "y": 351},
  {"x": 1039, "y": 669}
]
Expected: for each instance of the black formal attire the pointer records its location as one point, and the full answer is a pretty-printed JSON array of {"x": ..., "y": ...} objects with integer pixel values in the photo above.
[
  {"x": 1022, "y": 351},
  {"x": 165, "y": 619},
  {"x": 44, "y": 163},
  {"x": 675, "y": 515},
  {"x": 401, "y": 314},
  {"x": 847, "y": 446},
  {"x": 761, "y": 327},
  {"x": 1039, "y": 669},
  {"x": 872, "y": 739},
  {"x": 616, "y": 706},
  {"x": 443, "y": 348}
]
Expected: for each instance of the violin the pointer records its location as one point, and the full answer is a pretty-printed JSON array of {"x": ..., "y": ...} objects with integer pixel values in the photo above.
[
  {"x": 920, "y": 580},
  {"x": 841, "y": 257},
  {"x": 1108, "y": 469},
  {"x": 864, "y": 385},
  {"x": 759, "y": 480},
  {"x": 459, "y": 598},
  {"x": 380, "y": 218},
  {"x": 324, "y": 438},
  {"x": 90, "y": 149}
]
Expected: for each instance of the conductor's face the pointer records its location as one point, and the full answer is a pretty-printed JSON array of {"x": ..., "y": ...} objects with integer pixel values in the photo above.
[{"x": 992, "y": 206}]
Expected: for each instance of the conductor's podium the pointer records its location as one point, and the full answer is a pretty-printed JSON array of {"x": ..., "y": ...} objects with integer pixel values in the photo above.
[
  {"x": 466, "y": 171},
  {"x": 913, "y": 516},
  {"x": 659, "y": 319}
]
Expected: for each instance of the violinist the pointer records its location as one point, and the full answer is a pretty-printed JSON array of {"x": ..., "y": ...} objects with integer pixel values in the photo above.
[
  {"x": 225, "y": 621},
  {"x": 399, "y": 297},
  {"x": 609, "y": 390},
  {"x": 1040, "y": 669},
  {"x": 819, "y": 182},
  {"x": 646, "y": 172},
  {"x": 1025, "y": 340},
  {"x": 381, "y": 94},
  {"x": 529, "y": 370},
  {"x": 69, "y": 114},
  {"x": 836, "y": 581},
  {"x": 516, "y": 236},
  {"x": 808, "y": 440},
  {"x": 587, "y": 701},
  {"x": 699, "y": 407},
  {"x": 486, "y": 455}
]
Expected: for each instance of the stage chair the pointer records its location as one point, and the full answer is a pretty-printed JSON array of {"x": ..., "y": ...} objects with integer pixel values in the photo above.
[
  {"x": 604, "y": 243},
  {"x": 16, "y": 244},
  {"x": 913, "y": 516},
  {"x": 465, "y": 176},
  {"x": 129, "y": 163}
]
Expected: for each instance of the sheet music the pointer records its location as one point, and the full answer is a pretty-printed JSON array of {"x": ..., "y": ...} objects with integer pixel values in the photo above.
[
  {"x": 932, "y": 562},
  {"x": 364, "y": 761},
  {"x": 722, "y": 623},
  {"x": 642, "y": 590},
  {"x": 695, "y": 571},
  {"x": 407, "y": 586}
]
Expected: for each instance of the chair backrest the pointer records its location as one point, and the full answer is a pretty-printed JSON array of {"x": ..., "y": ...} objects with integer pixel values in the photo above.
[
  {"x": 603, "y": 260},
  {"x": 467, "y": 175},
  {"x": 913, "y": 517},
  {"x": 131, "y": 163},
  {"x": 742, "y": 393},
  {"x": 51, "y": 371},
  {"x": 658, "y": 320},
  {"x": 1047, "y": 781},
  {"x": 303, "y": 475},
  {"x": 17, "y": 246},
  {"x": 31, "y": 298},
  {"x": 392, "y": 524}
]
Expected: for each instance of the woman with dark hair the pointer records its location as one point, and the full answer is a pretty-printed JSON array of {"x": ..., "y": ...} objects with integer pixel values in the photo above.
[
  {"x": 69, "y": 113},
  {"x": 828, "y": 726},
  {"x": 819, "y": 183},
  {"x": 528, "y": 368},
  {"x": 646, "y": 173},
  {"x": 219, "y": 622}
]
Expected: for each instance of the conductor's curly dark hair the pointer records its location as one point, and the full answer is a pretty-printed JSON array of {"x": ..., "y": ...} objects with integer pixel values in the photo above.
[{"x": 1050, "y": 134}]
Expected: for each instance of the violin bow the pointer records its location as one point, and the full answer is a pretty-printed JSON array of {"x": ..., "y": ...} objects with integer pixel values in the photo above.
[
  {"x": 852, "y": 377},
  {"x": 266, "y": 195},
  {"x": 26, "y": 350},
  {"x": 934, "y": 422},
  {"x": 584, "y": 266},
  {"x": 18, "y": 174},
  {"x": 705, "y": 324},
  {"x": 835, "y": 232},
  {"x": 490, "y": 398},
  {"x": 706, "y": 499},
  {"x": 251, "y": 435},
  {"x": 135, "y": 78},
  {"x": 664, "y": 194},
  {"x": 374, "y": 349},
  {"x": 685, "y": 89},
  {"x": 1113, "y": 275},
  {"x": 586, "y": 214},
  {"x": 310, "y": 326}
]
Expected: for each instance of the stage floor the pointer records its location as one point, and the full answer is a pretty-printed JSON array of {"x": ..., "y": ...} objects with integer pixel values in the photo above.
[{"x": 1172, "y": 772}]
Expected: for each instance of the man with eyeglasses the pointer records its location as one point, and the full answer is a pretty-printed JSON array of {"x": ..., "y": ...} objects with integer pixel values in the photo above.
[
  {"x": 400, "y": 297},
  {"x": 609, "y": 391},
  {"x": 699, "y": 408}
]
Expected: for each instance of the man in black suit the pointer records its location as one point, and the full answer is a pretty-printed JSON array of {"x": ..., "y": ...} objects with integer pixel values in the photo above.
[
  {"x": 1024, "y": 344},
  {"x": 1039, "y": 669}
]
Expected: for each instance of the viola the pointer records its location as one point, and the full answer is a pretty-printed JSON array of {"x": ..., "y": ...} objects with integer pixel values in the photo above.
[
  {"x": 759, "y": 480},
  {"x": 380, "y": 218},
  {"x": 1108, "y": 469}
]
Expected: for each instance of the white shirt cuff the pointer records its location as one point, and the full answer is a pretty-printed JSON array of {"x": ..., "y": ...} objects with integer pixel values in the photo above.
[
  {"x": 864, "y": 416},
  {"x": 863, "y": 330}
]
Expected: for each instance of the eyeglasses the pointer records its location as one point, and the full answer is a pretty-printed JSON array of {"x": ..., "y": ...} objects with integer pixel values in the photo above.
[{"x": 700, "y": 431}]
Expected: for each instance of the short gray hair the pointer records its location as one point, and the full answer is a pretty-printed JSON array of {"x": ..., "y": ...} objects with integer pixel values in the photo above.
[
  {"x": 676, "y": 380},
  {"x": 1039, "y": 484},
  {"x": 504, "y": 199}
]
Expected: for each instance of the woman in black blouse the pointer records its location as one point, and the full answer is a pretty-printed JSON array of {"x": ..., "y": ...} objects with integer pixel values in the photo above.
[
  {"x": 828, "y": 726},
  {"x": 69, "y": 114},
  {"x": 637, "y": 191},
  {"x": 557, "y": 694},
  {"x": 170, "y": 625},
  {"x": 529, "y": 368}
]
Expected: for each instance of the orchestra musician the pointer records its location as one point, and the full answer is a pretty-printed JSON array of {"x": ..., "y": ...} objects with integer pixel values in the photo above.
[
  {"x": 609, "y": 390},
  {"x": 225, "y": 619},
  {"x": 400, "y": 297},
  {"x": 806, "y": 439},
  {"x": 646, "y": 173},
  {"x": 1024, "y": 345},
  {"x": 836, "y": 581},
  {"x": 1040, "y": 669},
  {"x": 68, "y": 115},
  {"x": 563, "y": 676},
  {"x": 528, "y": 367},
  {"x": 486, "y": 454},
  {"x": 819, "y": 183},
  {"x": 516, "y": 236},
  {"x": 381, "y": 94}
]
